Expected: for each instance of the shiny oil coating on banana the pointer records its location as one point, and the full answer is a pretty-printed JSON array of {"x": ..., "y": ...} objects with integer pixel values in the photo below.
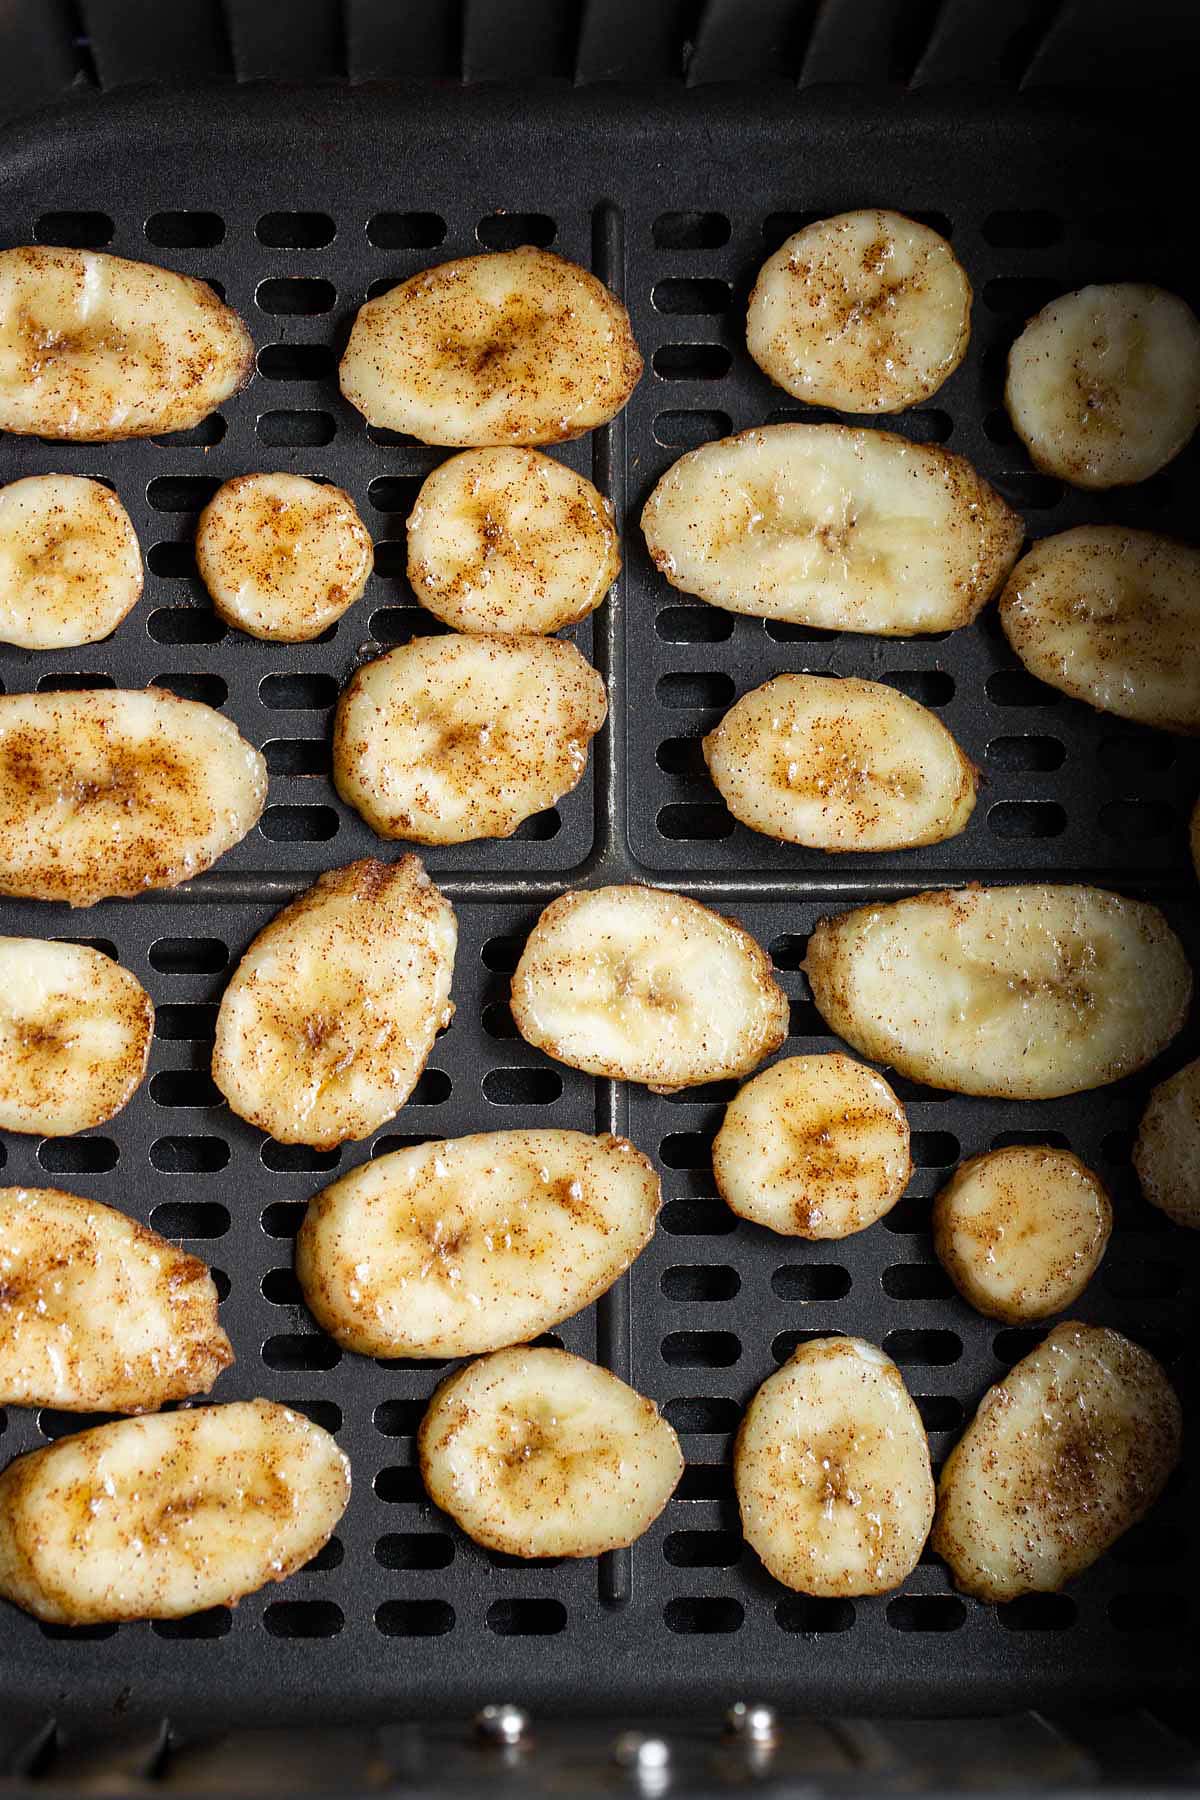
[
  {"x": 159, "y": 1517},
  {"x": 98, "y": 1314},
  {"x": 70, "y": 565},
  {"x": 1166, "y": 1153}
]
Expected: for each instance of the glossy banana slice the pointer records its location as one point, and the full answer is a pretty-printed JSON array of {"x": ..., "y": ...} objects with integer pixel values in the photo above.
[
  {"x": 1104, "y": 384},
  {"x": 516, "y": 348},
  {"x": 98, "y": 1314},
  {"x": 832, "y": 1471},
  {"x": 508, "y": 540},
  {"x": 333, "y": 1010},
  {"x": 1067, "y": 1452},
  {"x": 93, "y": 347},
  {"x": 538, "y": 1453},
  {"x": 1167, "y": 1152},
  {"x": 639, "y": 984},
  {"x": 159, "y": 1517},
  {"x": 70, "y": 566},
  {"x": 865, "y": 312},
  {"x": 1023, "y": 992},
  {"x": 829, "y": 526}
]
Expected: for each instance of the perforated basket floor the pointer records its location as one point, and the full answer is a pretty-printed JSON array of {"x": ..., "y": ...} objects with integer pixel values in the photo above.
[{"x": 298, "y": 205}]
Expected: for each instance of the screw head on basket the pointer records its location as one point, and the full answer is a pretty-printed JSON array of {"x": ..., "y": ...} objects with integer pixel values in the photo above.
[
  {"x": 752, "y": 1723},
  {"x": 647, "y": 1758},
  {"x": 503, "y": 1726}
]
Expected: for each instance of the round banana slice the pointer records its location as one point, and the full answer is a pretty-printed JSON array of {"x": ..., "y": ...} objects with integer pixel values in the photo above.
[
  {"x": 70, "y": 566},
  {"x": 1021, "y": 1231},
  {"x": 833, "y": 527},
  {"x": 639, "y": 984},
  {"x": 538, "y": 1453},
  {"x": 160, "y": 1517},
  {"x": 831, "y": 1466},
  {"x": 98, "y": 1314},
  {"x": 94, "y": 348},
  {"x": 448, "y": 739},
  {"x": 866, "y": 312},
  {"x": 508, "y": 540},
  {"x": 839, "y": 764},
  {"x": 283, "y": 557},
  {"x": 520, "y": 347},
  {"x": 1104, "y": 384},
  {"x": 814, "y": 1147},
  {"x": 1024, "y": 992},
  {"x": 1065, "y": 1454},
  {"x": 333, "y": 1010},
  {"x": 1167, "y": 1152}
]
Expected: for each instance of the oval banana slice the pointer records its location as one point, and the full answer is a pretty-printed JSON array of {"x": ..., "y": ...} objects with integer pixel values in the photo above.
[
  {"x": 472, "y": 1243},
  {"x": 833, "y": 527},
  {"x": 1023, "y": 992},
  {"x": 516, "y": 348},
  {"x": 283, "y": 557},
  {"x": 639, "y": 984},
  {"x": 866, "y": 312},
  {"x": 333, "y": 1010},
  {"x": 840, "y": 764},
  {"x": 1021, "y": 1231},
  {"x": 70, "y": 565},
  {"x": 160, "y": 1517},
  {"x": 448, "y": 739},
  {"x": 1166, "y": 1154},
  {"x": 106, "y": 794},
  {"x": 1067, "y": 1452},
  {"x": 508, "y": 540},
  {"x": 539, "y": 1453},
  {"x": 98, "y": 1314},
  {"x": 1104, "y": 384},
  {"x": 93, "y": 347},
  {"x": 831, "y": 1466}
]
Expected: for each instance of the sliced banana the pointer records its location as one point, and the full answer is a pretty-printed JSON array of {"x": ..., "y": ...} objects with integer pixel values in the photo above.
[
  {"x": 106, "y": 794},
  {"x": 1021, "y": 1231},
  {"x": 829, "y": 526},
  {"x": 448, "y": 739},
  {"x": 832, "y": 1471},
  {"x": 70, "y": 566},
  {"x": 333, "y": 1010},
  {"x": 839, "y": 764},
  {"x": 1104, "y": 384},
  {"x": 639, "y": 984},
  {"x": 508, "y": 540},
  {"x": 98, "y": 1314},
  {"x": 1024, "y": 992},
  {"x": 866, "y": 312},
  {"x": 516, "y": 348},
  {"x": 93, "y": 347},
  {"x": 160, "y": 1517},
  {"x": 282, "y": 556},
  {"x": 1166, "y": 1154},
  {"x": 538, "y": 1453},
  {"x": 1067, "y": 1452}
]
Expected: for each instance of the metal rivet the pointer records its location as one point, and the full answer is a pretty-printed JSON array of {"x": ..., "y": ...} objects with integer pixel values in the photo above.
[
  {"x": 504, "y": 1726},
  {"x": 752, "y": 1723},
  {"x": 648, "y": 1755}
]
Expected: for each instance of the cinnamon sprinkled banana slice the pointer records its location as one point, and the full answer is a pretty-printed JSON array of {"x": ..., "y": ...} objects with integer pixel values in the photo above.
[
  {"x": 70, "y": 566},
  {"x": 639, "y": 984},
  {"x": 539, "y": 1453},
  {"x": 1167, "y": 1152}
]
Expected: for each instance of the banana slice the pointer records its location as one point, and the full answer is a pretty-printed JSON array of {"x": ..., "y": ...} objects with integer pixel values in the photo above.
[
  {"x": 1021, "y": 1231},
  {"x": 507, "y": 540},
  {"x": 515, "y": 348},
  {"x": 828, "y": 526},
  {"x": 160, "y": 1517},
  {"x": 839, "y": 764},
  {"x": 448, "y": 739},
  {"x": 831, "y": 1466},
  {"x": 643, "y": 985},
  {"x": 94, "y": 348},
  {"x": 866, "y": 312},
  {"x": 1067, "y": 1452},
  {"x": 97, "y": 1314},
  {"x": 538, "y": 1453},
  {"x": 283, "y": 557},
  {"x": 106, "y": 794},
  {"x": 334, "y": 1008},
  {"x": 70, "y": 566},
  {"x": 1167, "y": 1152},
  {"x": 1104, "y": 384},
  {"x": 1023, "y": 992},
  {"x": 472, "y": 1243},
  {"x": 814, "y": 1147}
]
